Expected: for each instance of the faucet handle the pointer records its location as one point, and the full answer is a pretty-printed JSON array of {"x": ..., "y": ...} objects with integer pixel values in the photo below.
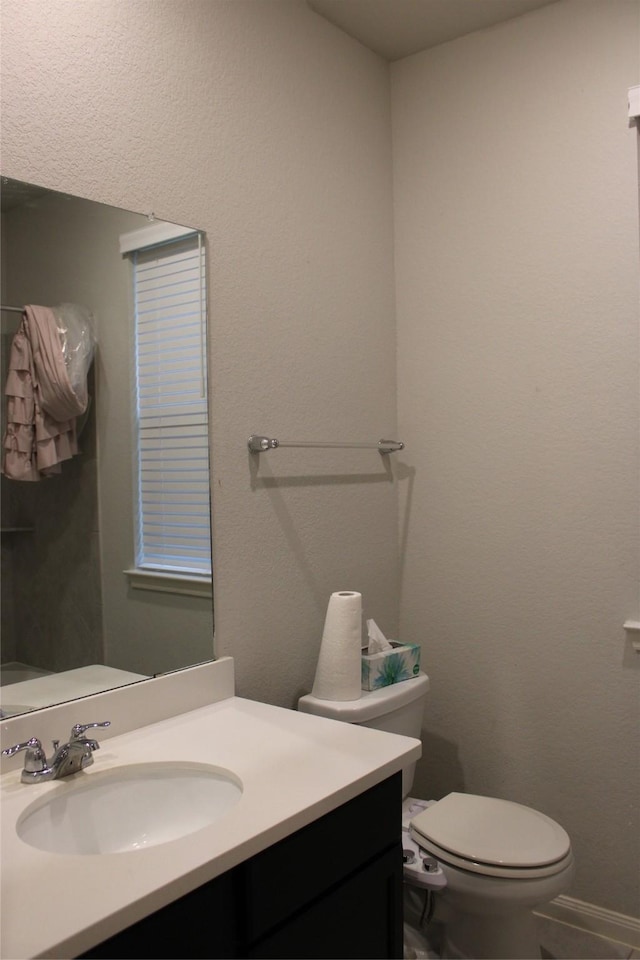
[
  {"x": 35, "y": 759},
  {"x": 79, "y": 728}
]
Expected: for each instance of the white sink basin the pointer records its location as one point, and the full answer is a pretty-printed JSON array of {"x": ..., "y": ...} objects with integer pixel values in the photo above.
[{"x": 128, "y": 808}]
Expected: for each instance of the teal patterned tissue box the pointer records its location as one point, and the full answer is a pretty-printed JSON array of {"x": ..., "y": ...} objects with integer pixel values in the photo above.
[{"x": 390, "y": 666}]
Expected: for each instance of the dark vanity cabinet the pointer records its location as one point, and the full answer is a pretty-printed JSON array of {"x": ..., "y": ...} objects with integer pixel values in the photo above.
[{"x": 332, "y": 889}]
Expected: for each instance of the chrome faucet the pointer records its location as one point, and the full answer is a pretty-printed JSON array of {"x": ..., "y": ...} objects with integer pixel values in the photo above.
[{"x": 72, "y": 756}]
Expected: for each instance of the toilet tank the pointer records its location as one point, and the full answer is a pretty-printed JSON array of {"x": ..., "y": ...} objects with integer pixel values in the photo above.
[{"x": 397, "y": 708}]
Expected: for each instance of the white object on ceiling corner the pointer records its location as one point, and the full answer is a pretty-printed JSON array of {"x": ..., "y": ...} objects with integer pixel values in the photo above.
[{"x": 634, "y": 103}]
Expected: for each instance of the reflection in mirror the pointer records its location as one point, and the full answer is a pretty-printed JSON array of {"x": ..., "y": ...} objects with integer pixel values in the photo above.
[{"x": 106, "y": 564}]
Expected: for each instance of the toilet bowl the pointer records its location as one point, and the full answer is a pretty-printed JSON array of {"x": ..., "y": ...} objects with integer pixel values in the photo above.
[
  {"x": 500, "y": 860},
  {"x": 490, "y": 861}
]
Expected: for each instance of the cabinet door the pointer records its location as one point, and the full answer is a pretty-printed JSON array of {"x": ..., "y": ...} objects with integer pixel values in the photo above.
[
  {"x": 201, "y": 924},
  {"x": 360, "y": 918},
  {"x": 282, "y": 880}
]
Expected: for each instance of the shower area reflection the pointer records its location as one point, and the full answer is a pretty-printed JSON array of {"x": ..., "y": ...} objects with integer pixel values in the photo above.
[
  {"x": 51, "y": 604},
  {"x": 51, "y": 615}
]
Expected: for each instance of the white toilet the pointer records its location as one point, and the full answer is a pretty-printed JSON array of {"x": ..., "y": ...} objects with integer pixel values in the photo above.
[{"x": 495, "y": 860}]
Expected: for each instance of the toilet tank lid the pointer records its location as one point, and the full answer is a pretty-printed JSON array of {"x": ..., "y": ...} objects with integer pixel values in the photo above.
[{"x": 372, "y": 703}]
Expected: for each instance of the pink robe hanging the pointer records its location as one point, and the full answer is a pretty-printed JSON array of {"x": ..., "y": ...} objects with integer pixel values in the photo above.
[{"x": 41, "y": 404}]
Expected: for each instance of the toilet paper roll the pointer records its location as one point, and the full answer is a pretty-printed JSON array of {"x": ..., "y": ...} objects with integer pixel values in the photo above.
[{"x": 338, "y": 669}]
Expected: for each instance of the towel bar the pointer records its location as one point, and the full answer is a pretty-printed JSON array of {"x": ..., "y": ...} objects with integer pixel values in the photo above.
[{"x": 258, "y": 444}]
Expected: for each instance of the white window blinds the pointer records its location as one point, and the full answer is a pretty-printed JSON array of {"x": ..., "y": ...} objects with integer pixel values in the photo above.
[{"x": 174, "y": 528}]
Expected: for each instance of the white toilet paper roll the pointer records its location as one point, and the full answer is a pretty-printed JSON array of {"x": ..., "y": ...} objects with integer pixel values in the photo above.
[{"x": 338, "y": 670}]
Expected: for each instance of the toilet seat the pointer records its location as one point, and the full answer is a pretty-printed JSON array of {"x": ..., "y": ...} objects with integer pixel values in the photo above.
[{"x": 493, "y": 837}]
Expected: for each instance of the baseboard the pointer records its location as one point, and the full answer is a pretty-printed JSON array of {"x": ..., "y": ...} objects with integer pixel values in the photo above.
[{"x": 593, "y": 919}]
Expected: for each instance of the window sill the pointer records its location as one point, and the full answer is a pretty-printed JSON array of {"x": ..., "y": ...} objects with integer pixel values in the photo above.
[{"x": 190, "y": 586}]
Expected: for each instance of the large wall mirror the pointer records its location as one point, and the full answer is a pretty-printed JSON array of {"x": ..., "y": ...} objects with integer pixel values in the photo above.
[{"x": 89, "y": 599}]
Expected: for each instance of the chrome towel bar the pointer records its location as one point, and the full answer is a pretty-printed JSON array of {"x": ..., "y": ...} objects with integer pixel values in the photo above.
[{"x": 259, "y": 444}]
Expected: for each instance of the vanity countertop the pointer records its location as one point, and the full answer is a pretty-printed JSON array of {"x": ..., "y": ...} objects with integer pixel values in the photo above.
[{"x": 294, "y": 767}]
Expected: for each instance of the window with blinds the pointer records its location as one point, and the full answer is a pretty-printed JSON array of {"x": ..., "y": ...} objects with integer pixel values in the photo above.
[{"x": 174, "y": 525}]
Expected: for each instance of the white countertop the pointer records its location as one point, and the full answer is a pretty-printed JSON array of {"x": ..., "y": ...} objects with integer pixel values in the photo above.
[
  {"x": 52, "y": 688},
  {"x": 294, "y": 768}
]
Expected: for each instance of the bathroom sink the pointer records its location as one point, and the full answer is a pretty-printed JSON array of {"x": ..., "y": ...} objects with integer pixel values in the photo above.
[{"x": 128, "y": 808}]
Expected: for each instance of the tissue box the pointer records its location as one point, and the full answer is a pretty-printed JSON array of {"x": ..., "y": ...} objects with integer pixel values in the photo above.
[{"x": 390, "y": 666}]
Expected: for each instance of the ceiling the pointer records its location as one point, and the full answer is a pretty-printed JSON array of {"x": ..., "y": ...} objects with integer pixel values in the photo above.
[{"x": 398, "y": 28}]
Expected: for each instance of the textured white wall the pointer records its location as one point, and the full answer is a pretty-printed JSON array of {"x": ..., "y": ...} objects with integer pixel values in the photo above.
[
  {"x": 517, "y": 295},
  {"x": 516, "y": 198},
  {"x": 270, "y": 129}
]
